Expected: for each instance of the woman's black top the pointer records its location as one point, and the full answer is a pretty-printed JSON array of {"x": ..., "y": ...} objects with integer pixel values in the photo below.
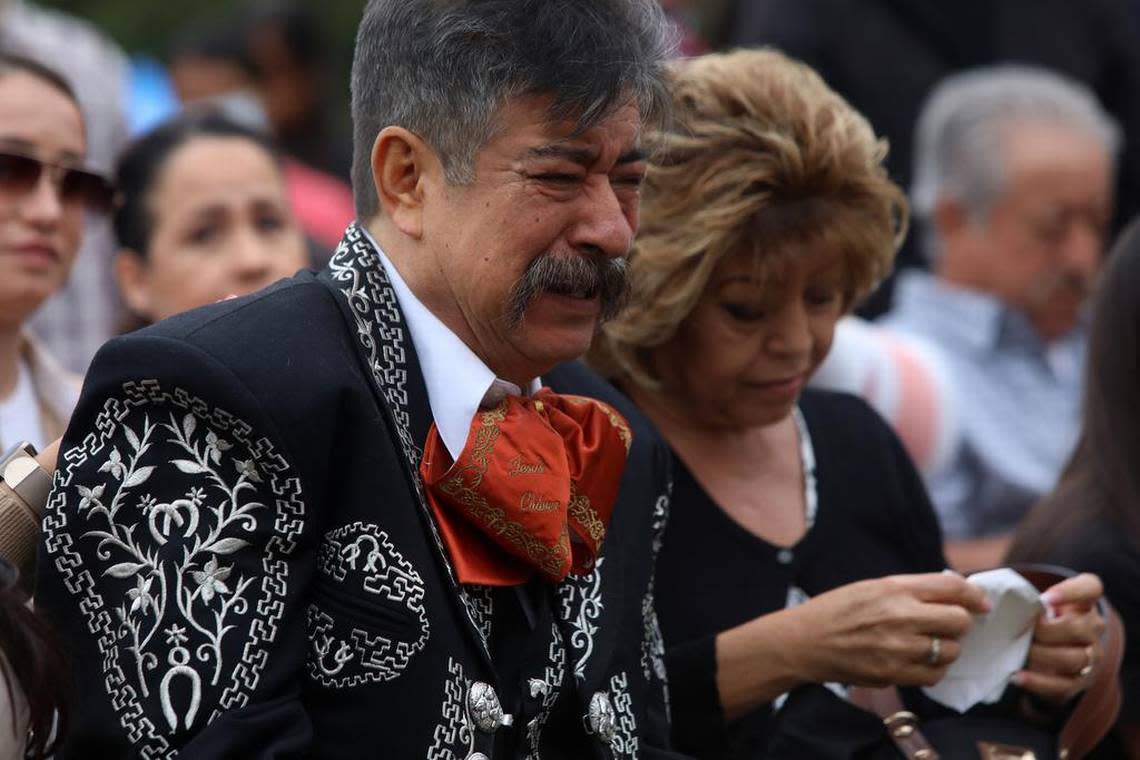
[
  {"x": 873, "y": 519},
  {"x": 1110, "y": 551}
]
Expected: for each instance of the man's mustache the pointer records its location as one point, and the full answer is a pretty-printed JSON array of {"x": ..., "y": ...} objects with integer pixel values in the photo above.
[
  {"x": 1061, "y": 282},
  {"x": 581, "y": 276}
]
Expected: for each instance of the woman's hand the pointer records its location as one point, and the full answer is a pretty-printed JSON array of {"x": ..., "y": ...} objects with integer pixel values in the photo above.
[
  {"x": 1066, "y": 650},
  {"x": 870, "y": 633},
  {"x": 48, "y": 456},
  {"x": 881, "y": 632}
]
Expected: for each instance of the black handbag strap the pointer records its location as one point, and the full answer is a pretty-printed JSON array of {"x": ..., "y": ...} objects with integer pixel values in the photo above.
[{"x": 1089, "y": 722}]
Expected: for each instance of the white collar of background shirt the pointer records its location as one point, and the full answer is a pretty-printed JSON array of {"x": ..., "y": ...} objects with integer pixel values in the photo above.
[{"x": 457, "y": 381}]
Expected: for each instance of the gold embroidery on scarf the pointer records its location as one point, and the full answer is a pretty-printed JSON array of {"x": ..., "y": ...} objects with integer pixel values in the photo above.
[
  {"x": 620, "y": 425},
  {"x": 535, "y": 502},
  {"x": 583, "y": 511},
  {"x": 463, "y": 487},
  {"x": 520, "y": 467}
]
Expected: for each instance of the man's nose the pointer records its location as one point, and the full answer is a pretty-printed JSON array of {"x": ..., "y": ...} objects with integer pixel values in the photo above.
[
  {"x": 606, "y": 226},
  {"x": 1084, "y": 250}
]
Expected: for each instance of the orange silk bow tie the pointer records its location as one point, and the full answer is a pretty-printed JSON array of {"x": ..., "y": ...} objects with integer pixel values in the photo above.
[{"x": 532, "y": 491}]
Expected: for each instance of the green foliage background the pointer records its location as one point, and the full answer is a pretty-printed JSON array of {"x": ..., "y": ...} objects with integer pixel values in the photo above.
[{"x": 149, "y": 26}]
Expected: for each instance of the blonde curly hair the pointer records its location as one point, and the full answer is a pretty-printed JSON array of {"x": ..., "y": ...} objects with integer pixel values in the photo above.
[{"x": 761, "y": 156}]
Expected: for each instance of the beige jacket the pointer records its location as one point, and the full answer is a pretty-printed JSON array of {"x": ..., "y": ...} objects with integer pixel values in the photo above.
[
  {"x": 56, "y": 391},
  {"x": 56, "y": 388}
]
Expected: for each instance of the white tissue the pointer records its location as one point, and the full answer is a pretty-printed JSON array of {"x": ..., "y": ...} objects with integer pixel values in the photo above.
[{"x": 996, "y": 646}]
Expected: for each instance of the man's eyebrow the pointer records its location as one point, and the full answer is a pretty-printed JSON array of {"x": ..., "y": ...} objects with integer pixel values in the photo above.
[
  {"x": 633, "y": 156},
  {"x": 582, "y": 156}
]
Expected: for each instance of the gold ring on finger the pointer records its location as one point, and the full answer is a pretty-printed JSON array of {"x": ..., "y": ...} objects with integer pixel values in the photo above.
[{"x": 1087, "y": 670}]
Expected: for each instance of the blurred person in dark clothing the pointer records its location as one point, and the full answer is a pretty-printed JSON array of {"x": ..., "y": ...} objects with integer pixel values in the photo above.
[
  {"x": 208, "y": 60},
  {"x": 884, "y": 56},
  {"x": 1091, "y": 520},
  {"x": 202, "y": 215},
  {"x": 711, "y": 18},
  {"x": 285, "y": 43}
]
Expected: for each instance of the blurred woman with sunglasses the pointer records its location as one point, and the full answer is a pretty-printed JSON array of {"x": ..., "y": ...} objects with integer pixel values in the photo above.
[{"x": 45, "y": 190}]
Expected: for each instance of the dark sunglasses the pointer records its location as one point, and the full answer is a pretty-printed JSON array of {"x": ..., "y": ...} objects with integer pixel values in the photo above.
[{"x": 19, "y": 174}]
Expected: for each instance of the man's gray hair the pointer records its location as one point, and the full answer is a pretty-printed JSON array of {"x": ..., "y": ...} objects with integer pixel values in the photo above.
[
  {"x": 443, "y": 68},
  {"x": 961, "y": 134}
]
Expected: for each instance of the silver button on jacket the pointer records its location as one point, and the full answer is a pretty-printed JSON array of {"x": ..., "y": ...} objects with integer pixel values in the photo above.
[{"x": 601, "y": 717}]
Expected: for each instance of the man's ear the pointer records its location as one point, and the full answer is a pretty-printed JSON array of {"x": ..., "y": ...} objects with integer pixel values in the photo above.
[
  {"x": 400, "y": 163},
  {"x": 130, "y": 273},
  {"x": 950, "y": 218}
]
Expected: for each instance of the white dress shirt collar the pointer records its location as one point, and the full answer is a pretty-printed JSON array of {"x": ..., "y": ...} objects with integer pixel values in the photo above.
[{"x": 457, "y": 381}]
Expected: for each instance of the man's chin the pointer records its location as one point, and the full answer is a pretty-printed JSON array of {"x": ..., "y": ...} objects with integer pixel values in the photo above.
[
  {"x": 551, "y": 345},
  {"x": 557, "y": 329},
  {"x": 1054, "y": 326}
]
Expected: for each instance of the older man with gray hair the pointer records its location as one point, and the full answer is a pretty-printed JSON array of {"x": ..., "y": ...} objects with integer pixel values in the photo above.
[
  {"x": 1013, "y": 184},
  {"x": 340, "y": 518}
]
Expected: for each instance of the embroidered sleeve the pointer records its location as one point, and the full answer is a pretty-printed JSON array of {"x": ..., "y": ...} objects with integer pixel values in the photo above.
[
  {"x": 173, "y": 559},
  {"x": 652, "y": 642},
  {"x": 656, "y": 722}
]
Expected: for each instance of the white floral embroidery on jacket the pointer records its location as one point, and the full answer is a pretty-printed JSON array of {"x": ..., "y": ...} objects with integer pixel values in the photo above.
[{"x": 155, "y": 535}]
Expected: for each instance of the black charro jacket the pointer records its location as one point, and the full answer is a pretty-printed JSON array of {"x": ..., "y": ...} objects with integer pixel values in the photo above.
[{"x": 238, "y": 555}]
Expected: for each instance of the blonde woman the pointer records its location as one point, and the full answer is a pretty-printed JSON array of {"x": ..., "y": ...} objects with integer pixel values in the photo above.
[{"x": 802, "y": 549}]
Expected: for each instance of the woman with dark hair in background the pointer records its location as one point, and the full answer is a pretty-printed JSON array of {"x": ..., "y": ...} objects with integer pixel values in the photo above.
[
  {"x": 201, "y": 214},
  {"x": 1091, "y": 520}
]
